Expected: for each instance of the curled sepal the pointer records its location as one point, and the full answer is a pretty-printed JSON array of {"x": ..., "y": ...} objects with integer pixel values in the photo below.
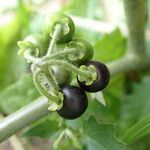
[
  {"x": 102, "y": 80},
  {"x": 84, "y": 51},
  {"x": 31, "y": 55},
  {"x": 21, "y": 52},
  {"x": 56, "y": 105},
  {"x": 78, "y": 54},
  {"x": 67, "y": 27},
  {"x": 23, "y": 45},
  {"x": 34, "y": 41},
  {"x": 92, "y": 78}
]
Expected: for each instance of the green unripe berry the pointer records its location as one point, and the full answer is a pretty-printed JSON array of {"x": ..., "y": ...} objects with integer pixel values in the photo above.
[
  {"x": 66, "y": 23},
  {"x": 85, "y": 53},
  {"x": 39, "y": 42},
  {"x": 62, "y": 75}
]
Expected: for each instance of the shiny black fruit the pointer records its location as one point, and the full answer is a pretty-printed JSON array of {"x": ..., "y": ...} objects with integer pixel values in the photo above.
[
  {"x": 103, "y": 77},
  {"x": 75, "y": 102}
]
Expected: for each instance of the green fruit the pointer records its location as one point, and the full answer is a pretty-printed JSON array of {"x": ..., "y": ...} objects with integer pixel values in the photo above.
[
  {"x": 85, "y": 51},
  {"x": 62, "y": 75},
  {"x": 65, "y": 21},
  {"x": 39, "y": 42}
]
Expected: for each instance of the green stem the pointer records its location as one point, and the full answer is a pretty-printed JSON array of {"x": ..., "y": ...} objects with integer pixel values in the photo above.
[
  {"x": 61, "y": 54},
  {"x": 124, "y": 64},
  {"x": 71, "y": 67},
  {"x": 135, "y": 11},
  {"x": 22, "y": 118},
  {"x": 54, "y": 39}
]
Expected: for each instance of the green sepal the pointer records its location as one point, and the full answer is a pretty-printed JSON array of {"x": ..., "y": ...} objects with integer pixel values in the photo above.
[
  {"x": 23, "y": 46},
  {"x": 53, "y": 106},
  {"x": 93, "y": 77},
  {"x": 78, "y": 54}
]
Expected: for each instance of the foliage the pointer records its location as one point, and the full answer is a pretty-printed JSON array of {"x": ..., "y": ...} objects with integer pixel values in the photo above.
[
  {"x": 10, "y": 34},
  {"x": 44, "y": 128},
  {"x": 135, "y": 106},
  {"x": 102, "y": 134},
  {"x": 110, "y": 46}
]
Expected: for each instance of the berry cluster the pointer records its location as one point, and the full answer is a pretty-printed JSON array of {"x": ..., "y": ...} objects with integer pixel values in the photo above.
[{"x": 54, "y": 55}]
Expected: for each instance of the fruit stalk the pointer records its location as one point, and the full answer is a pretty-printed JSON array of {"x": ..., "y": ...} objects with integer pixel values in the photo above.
[{"x": 54, "y": 39}]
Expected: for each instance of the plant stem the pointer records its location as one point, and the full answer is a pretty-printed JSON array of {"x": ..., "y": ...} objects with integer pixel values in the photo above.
[
  {"x": 128, "y": 62},
  {"x": 61, "y": 54},
  {"x": 71, "y": 67},
  {"x": 25, "y": 116},
  {"x": 54, "y": 39},
  {"x": 135, "y": 11}
]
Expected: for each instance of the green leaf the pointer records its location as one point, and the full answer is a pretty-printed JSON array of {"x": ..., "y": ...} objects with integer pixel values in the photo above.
[
  {"x": 18, "y": 95},
  {"x": 83, "y": 8},
  {"x": 135, "y": 106},
  {"x": 10, "y": 63},
  {"x": 44, "y": 129},
  {"x": 140, "y": 129},
  {"x": 103, "y": 134},
  {"x": 92, "y": 144},
  {"x": 110, "y": 47},
  {"x": 96, "y": 109},
  {"x": 112, "y": 95}
]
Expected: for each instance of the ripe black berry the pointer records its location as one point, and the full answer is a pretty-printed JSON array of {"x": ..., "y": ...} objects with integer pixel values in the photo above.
[
  {"x": 75, "y": 102},
  {"x": 102, "y": 80}
]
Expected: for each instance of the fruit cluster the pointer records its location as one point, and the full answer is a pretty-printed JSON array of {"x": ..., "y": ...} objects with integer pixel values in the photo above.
[{"x": 54, "y": 55}]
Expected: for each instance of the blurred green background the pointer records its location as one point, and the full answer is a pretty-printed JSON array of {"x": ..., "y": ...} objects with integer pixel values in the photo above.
[{"x": 102, "y": 22}]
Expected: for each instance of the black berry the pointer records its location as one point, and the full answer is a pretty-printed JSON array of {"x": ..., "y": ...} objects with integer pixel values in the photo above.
[
  {"x": 103, "y": 77},
  {"x": 75, "y": 102}
]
